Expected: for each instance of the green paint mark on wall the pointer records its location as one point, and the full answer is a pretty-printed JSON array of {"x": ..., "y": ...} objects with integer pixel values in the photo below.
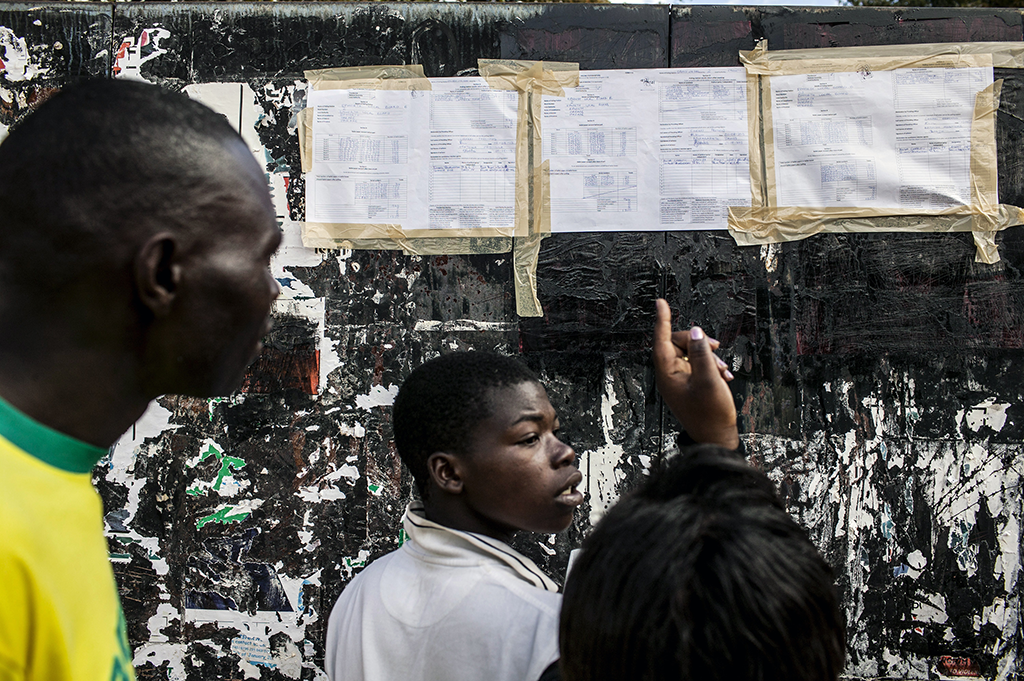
[
  {"x": 226, "y": 515},
  {"x": 196, "y": 492},
  {"x": 373, "y": 488},
  {"x": 211, "y": 451},
  {"x": 228, "y": 464}
]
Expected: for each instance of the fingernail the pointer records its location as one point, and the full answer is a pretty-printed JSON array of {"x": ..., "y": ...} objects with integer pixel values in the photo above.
[
  {"x": 696, "y": 333},
  {"x": 728, "y": 375},
  {"x": 720, "y": 363}
]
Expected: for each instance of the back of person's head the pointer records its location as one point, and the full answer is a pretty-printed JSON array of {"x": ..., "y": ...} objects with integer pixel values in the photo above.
[
  {"x": 136, "y": 231},
  {"x": 701, "y": 575},
  {"x": 443, "y": 400},
  {"x": 98, "y": 167}
]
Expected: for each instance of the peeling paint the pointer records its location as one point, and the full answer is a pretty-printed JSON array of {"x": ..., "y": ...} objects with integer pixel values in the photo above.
[
  {"x": 462, "y": 325},
  {"x": 230, "y": 513},
  {"x": 134, "y": 52},
  {"x": 988, "y": 413},
  {"x": 379, "y": 396},
  {"x": 602, "y": 474},
  {"x": 16, "y": 63}
]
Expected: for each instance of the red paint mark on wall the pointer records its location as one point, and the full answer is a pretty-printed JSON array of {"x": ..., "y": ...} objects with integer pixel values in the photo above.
[
  {"x": 290, "y": 359},
  {"x": 962, "y": 667}
]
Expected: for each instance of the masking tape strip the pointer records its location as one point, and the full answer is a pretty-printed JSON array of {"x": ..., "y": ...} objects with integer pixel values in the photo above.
[
  {"x": 525, "y": 253},
  {"x": 524, "y": 156},
  {"x": 774, "y": 229},
  {"x": 984, "y": 161},
  {"x": 542, "y": 198},
  {"x": 422, "y": 246},
  {"x": 771, "y": 229},
  {"x": 533, "y": 197},
  {"x": 338, "y": 231},
  {"x": 985, "y": 173},
  {"x": 945, "y": 55},
  {"x": 376, "y": 84},
  {"x": 545, "y": 77},
  {"x": 767, "y": 142},
  {"x": 755, "y": 128},
  {"x": 305, "y": 130},
  {"x": 531, "y": 79},
  {"x": 325, "y": 79}
]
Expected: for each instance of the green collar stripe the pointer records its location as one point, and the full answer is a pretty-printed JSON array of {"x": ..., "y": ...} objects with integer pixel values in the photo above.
[{"x": 46, "y": 444}]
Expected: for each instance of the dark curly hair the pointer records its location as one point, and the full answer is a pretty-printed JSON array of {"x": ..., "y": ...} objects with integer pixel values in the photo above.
[
  {"x": 442, "y": 401},
  {"x": 701, "y": 575}
]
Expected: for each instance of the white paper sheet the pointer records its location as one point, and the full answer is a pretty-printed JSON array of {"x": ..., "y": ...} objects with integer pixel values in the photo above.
[
  {"x": 422, "y": 159},
  {"x": 881, "y": 139},
  {"x": 647, "y": 150},
  {"x": 361, "y": 152},
  {"x": 471, "y": 178}
]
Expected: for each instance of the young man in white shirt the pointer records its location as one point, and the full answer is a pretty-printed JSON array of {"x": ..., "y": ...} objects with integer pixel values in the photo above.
[{"x": 456, "y": 601}]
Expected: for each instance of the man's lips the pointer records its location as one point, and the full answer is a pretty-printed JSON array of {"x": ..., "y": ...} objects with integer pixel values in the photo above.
[{"x": 568, "y": 494}]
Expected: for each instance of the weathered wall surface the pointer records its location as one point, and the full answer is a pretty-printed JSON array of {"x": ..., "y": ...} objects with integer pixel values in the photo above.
[{"x": 879, "y": 376}]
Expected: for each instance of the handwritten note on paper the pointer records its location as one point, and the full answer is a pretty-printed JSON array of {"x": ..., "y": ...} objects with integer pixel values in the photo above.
[
  {"x": 877, "y": 139},
  {"x": 649, "y": 150}
]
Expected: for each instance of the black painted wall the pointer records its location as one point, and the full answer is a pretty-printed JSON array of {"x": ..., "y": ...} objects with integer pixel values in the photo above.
[{"x": 879, "y": 376}]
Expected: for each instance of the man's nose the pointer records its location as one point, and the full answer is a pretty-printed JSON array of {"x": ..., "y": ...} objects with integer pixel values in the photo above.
[{"x": 566, "y": 455}]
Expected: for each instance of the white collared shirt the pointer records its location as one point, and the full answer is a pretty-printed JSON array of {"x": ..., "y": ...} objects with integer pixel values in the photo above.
[{"x": 446, "y": 606}]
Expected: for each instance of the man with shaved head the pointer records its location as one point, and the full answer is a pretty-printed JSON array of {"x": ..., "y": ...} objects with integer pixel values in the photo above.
[{"x": 136, "y": 230}]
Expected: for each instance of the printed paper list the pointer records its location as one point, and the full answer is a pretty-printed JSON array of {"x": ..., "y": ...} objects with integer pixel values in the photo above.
[
  {"x": 422, "y": 159},
  {"x": 361, "y": 149},
  {"x": 471, "y": 176},
  {"x": 884, "y": 139},
  {"x": 647, "y": 150}
]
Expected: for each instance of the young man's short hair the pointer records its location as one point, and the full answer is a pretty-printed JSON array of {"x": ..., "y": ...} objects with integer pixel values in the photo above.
[
  {"x": 442, "y": 401},
  {"x": 701, "y": 575},
  {"x": 97, "y": 165}
]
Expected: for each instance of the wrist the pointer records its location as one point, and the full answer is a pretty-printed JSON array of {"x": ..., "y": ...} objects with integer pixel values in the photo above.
[{"x": 727, "y": 437}]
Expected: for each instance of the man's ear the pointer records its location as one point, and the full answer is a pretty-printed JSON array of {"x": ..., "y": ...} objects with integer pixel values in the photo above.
[
  {"x": 158, "y": 273},
  {"x": 444, "y": 471}
]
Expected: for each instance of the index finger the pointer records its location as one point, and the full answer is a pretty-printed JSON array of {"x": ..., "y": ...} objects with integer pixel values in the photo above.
[{"x": 663, "y": 348}]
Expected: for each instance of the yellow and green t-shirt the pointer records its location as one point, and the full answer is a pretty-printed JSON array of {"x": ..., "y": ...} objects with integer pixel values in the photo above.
[{"x": 60, "y": 617}]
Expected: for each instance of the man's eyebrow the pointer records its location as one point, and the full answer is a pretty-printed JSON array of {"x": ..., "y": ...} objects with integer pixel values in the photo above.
[{"x": 532, "y": 416}]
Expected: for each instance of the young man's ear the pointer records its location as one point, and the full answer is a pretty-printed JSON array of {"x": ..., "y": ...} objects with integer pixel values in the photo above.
[
  {"x": 157, "y": 272},
  {"x": 444, "y": 471}
]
